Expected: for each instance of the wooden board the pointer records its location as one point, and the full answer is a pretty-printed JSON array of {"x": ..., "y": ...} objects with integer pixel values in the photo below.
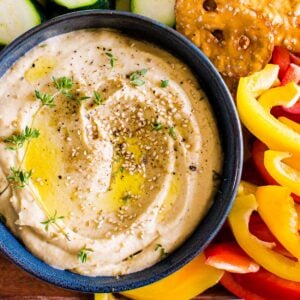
[{"x": 15, "y": 284}]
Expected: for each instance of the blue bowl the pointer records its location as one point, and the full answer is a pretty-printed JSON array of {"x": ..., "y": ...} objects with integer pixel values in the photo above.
[{"x": 228, "y": 124}]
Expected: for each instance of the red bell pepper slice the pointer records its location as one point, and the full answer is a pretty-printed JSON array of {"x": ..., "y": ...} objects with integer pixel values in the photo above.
[
  {"x": 251, "y": 174},
  {"x": 292, "y": 74},
  {"x": 295, "y": 59},
  {"x": 261, "y": 284},
  {"x": 231, "y": 284},
  {"x": 229, "y": 257},
  {"x": 281, "y": 57},
  {"x": 258, "y": 150},
  {"x": 290, "y": 113},
  {"x": 295, "y": 109},
  {"x": 258, "y": 228}
]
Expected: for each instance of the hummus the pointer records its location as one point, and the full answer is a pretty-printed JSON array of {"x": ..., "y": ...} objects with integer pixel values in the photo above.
[{"x": 108, "y": 152}]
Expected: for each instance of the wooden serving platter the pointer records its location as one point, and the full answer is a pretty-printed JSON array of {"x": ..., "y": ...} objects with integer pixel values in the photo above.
[{"x": 15, "y": 284}]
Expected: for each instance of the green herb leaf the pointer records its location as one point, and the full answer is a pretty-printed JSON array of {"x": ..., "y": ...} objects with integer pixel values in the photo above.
[
  {"x": 46, "y": 99},
  {"x": 112, "y": 59},
  {"x": 135, "y": 77},
  {"x": 98, "y": 100},
  {"x": 157, "y": 126},
  {"x": 63, "y": 83},
  {"x": 19, "y": 178},
  {"x": 83, "y": 254},
  {"x": 17, "y": 141},
  {"x": 83, "y": 98},
  {"x": 52, "y": 220},
  {"x": 172, "y": 132},
  {"x": 138, "y": 82},
  {"x": 164, "y": 83}
]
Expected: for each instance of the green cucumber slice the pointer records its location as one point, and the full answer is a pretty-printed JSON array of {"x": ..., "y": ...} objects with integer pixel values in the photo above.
[
  {"x": 160, "y": 10},
  {"x": 73, "y": 4},
  {"x": 62, "y": 6},
  {"x": 16, "y": 17}
]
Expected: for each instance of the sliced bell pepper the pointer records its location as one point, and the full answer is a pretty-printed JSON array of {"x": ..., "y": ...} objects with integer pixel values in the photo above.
[
  {"x": 297, "y": 207},
  {"x": 261, "y": 285},
  {"x": 292, "y": 74},
  {"x": 281, "y": 57},
  {"x": 294, "y": 59},
  {"x": 291, "y": 123},
  {"x": 283, "y": 174},
  {"x": 188, "y": 282},
  {"x": 236, "y": 288},
  {"x": 259, "y": 228},
  {"x": 277, "y": 209},
  {"x": 295, "y": 109},
  {"x": 258, "y": 151},
  {"x": 279, "y": 111},
  {"x": 246, "y": 188},
  {"x": 258, "y": 250},
  {"x": 256, "y": 115},
  {"x": 229, "y": 257},
  {"x": 251, "y": 174}
]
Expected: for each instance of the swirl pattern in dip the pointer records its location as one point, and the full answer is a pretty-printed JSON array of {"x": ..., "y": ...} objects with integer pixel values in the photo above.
[{"x": 122, "y": 168}]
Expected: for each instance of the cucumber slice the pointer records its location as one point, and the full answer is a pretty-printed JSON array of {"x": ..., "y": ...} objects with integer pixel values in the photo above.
[
  {"x": 123, "y": 5},
  {"x": 73, "y": 4},
  {"x": 84, "y": 4},
  {"x": 16, "y": 17},
  {"x": 160, "y": 10}
]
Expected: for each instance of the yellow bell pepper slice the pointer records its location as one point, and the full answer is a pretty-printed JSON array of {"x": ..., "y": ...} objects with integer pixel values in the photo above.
[
  {"x": 282, "y": 172},
  {"x": 255, "y": 114},
  {"x": 294, "y": 160},
  {"x": 277, "y": 209},
  {"x": 290, "y": 123},
  {"x": 297, "y": 206},
  {"x": 193, "y": 279},
  {"x": 246, "y": 188},
  {"x": 260, "y": 251}
]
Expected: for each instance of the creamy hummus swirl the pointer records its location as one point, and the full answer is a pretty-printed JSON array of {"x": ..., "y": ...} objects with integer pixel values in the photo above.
[{"x": 125, "y": 166}]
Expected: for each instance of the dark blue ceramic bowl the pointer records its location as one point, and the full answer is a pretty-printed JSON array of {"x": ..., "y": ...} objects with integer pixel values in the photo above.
[{"x": 228, "y": 124}]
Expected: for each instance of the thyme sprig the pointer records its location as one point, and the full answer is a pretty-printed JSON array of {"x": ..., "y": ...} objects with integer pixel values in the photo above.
[
  {"x": 17, "y": 141},
  {"x": 52, "y": 220},
  {"x": 135, "y": 77},
  {"x": 46, "y": 99},
  {"x": 112, "y": 59},
  {"x": 64, "y": 85},
  {"x": 98, "y": 99},
  {"x": 83, "y": 254},
  {"x": 19, "y": 178},
  {"x": 164, "y": 83}
]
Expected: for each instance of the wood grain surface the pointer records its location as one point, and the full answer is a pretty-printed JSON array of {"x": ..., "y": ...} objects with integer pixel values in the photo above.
[{"x": 15, "y": 284}]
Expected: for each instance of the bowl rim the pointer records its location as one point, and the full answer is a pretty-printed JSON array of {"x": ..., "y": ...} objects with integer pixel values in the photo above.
[{"x": 18, "y": 253}]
